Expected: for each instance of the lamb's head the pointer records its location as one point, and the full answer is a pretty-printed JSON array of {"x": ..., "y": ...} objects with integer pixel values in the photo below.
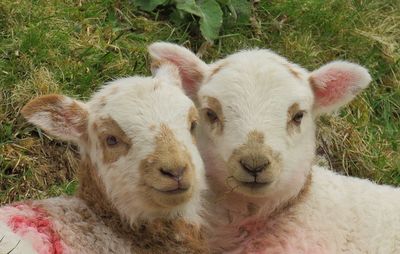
[
  {"x": 138, "y": 134},
  {"x": 258, "y": 112}
]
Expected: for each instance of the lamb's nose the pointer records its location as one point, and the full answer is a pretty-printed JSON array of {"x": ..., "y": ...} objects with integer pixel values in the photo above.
[
  {"x": 254, "y": 166},
  {"x": 173, "y": 173}
]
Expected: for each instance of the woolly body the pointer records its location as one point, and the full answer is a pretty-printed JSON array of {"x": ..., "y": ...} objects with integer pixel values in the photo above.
[
  {"x": 336, "y": 214},
  {"x": 140, "y": 176},
  {"x": 258, "y": 143},
  {"x": 70, "y": 227}
]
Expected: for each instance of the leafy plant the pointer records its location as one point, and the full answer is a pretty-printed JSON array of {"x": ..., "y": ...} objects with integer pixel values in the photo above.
[{"x": 209, "y": 13}]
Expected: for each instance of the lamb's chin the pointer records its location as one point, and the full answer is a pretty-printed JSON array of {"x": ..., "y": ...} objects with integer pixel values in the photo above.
[{"x": 171, "y": 199}]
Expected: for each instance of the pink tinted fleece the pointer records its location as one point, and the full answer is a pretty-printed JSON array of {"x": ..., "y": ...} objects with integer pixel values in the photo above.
[{"x": 33, "y": 225}]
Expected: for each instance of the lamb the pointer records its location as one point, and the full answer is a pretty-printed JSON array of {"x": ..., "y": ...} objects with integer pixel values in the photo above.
[
  {"x": 141, "y": 176},
  {"x": 258, "y": 114}
]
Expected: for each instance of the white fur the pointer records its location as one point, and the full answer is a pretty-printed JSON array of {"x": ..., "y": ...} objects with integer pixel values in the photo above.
[
  {"x": 337, "y": 214},
  {"x": 139, "y": 105},
  {"x": 10, "y": 241}
]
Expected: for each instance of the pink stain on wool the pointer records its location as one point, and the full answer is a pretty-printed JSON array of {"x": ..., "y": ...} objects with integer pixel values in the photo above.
[
  {"x": 259, "y": 236},
  {"x": 33, "y": 224}
]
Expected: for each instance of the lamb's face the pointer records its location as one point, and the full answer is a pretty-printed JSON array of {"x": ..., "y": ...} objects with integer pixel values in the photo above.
[
  {"x": 256, "y": 110},
  {"x": 141, "y": 133},
  {"x": 138, "y": 134},
  {"x": 258, "y": 114}
]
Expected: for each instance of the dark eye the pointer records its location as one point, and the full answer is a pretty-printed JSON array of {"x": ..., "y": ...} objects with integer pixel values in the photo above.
[
  {"x": 212, "y": 116},
  {"x": 111, "y": 140},
  {"x": 298, "y": 117},
  {"x": 193, "y": 126}
]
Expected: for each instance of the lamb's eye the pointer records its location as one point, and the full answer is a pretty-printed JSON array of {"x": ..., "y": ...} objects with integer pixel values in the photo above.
[
  {"x": 298, "y": 117},
  {"x": 193, "y": 126},
  {"x": 111, "y": 140},
  {"x": 212, "y": 116}
]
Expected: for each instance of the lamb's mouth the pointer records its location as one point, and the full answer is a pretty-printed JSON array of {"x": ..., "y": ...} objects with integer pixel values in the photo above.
[
  {"x": 173, "y": 191},
  {"x": 254, "y": 184}
]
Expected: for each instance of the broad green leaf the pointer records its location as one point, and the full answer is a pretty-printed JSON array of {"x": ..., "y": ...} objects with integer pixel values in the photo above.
[
  {"x": 178, "y": 17},
  {"x": 242, "y": 9},
  {"x": 230, "y": 7},
  {"x": 148, "y": 5},
  {"x": 211, "y": 19},
  {"x": 189, "y": 6}
]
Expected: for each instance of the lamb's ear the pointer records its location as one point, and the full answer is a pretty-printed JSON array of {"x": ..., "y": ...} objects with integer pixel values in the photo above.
[
  {"x": 60, "y": 116},
  {"x": 336, "y": 84},
  {"x": 169, "y": 73},
  {"x": 192, "y": 69}
]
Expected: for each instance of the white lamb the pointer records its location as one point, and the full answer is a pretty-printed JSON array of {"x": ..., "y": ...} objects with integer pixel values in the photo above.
[
  {"x": 140, "y": 176},
  {"x": 258, "y": 145}
]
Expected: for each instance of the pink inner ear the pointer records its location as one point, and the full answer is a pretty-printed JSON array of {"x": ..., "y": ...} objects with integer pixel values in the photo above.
[
  {"x": 190, "y": 72},
  {"x": 332, "y": 86}
]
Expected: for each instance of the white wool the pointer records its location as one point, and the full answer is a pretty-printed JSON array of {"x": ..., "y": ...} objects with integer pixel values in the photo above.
[
  {"x": 334, "y": 213},
  {"x": 139, "y": 106},
  {"x": 10, "y": 242}
]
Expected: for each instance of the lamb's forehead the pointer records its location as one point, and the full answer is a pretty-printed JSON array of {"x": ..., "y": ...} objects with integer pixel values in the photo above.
[
  {"x": 249, "y": 59},
  {"x": 256, "y": 77},
  {"x": 133, "y": 101}
]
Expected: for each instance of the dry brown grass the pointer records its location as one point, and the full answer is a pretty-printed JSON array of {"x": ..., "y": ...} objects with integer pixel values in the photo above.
[
  {"x": 347, "y": 151},
  {"x": 33, "y": 168},
  {"x": 32, "y": 163}
]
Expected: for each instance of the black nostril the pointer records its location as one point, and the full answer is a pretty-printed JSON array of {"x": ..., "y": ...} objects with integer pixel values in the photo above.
[
  {"x": 254, "y": 169},
  {"x": 245, "y": 166},
  {"x": 166, "y": 172},
  {"x": 176, "y": 174}
]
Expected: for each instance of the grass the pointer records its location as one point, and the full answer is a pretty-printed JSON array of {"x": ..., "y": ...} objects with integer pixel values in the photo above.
[{"x": 73, "y": 47}]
